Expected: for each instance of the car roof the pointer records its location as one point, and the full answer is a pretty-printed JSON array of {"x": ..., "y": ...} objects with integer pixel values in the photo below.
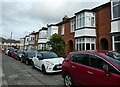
[
  {"x": 45, "y": 51},
  {"x": 90, "y": 51}
]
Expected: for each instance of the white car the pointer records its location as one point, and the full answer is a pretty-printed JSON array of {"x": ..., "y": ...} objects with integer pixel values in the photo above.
[{"x": 47, "y": 62}]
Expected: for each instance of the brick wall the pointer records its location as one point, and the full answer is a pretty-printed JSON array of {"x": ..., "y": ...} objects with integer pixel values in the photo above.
[
  {"x": 103, "y": 17},
  {"x": 68, "y": 37}
]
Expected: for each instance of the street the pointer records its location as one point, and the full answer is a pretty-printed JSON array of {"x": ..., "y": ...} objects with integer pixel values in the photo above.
[{"x": 17, "y": 73}]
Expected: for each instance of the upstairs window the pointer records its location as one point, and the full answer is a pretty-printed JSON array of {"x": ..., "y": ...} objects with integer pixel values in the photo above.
[
  {"x": 80, "y": 22},
  {"x": 72, "y": 29},
  {"x": 62, "y": 31},
  {"x": 116, "y": 9}
]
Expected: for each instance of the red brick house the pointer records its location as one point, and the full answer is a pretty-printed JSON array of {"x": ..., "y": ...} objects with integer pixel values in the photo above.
[
  {"x": 103, "y": 26},
  {"x": 66, "y": 29},
  {"x": 36, "y": 40}
]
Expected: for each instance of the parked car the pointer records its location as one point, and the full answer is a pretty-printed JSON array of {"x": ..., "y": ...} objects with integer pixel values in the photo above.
[
  {"x": 28, "y": 56},
  {"x": 113, "y": 54},
  {"x": 11, "y": 50},
  {"x": 47, "y": 62},
  {"x": 90, "y": 68},
  {"x": 19, "y": 54},
  {"x": 6, "y": 51},
  {"x": 13, "y": 54}
]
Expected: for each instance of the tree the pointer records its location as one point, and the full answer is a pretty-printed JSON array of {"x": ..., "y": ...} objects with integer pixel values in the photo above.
[{"x": 57, "y": 44}]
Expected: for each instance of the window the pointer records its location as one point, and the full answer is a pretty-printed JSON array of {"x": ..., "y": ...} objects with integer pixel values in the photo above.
[
  {"x": 95, "y": 62},
  {"x": 93, "y": 46},
  {"x": 110, "y": 68},
  {"x": 92, "y": 21},
  {"x": 85, "y": 44},
  {"x": 81, "y": 59},
  {"x": 116, "y": 9},
  {"x": 72, "y": 25},
  {"x": 62, "y": 31},
  {"x": 80, "y": 20}
]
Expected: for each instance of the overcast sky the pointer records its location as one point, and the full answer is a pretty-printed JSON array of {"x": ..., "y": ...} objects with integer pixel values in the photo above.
[{"x": 21, "y": 17}]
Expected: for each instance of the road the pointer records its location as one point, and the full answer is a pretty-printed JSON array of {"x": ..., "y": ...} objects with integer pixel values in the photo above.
[{"x": 15, "y": 73}]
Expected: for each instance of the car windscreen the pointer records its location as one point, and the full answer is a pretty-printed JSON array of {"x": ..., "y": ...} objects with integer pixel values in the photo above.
[
  {"x": 116, "y": 55},
  {"x": 49, "y": 55},
  {"x": 31, "y": 53},
  {"x": 117, "y": 62},
  {"x": 20, "y": 52},
  {"x": 11, "y": 49}
]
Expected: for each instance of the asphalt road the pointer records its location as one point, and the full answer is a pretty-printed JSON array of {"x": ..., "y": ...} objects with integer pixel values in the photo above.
[{"x": 15, "y": 73}]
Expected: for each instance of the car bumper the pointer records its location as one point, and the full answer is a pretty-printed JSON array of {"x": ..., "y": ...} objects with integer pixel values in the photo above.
[{"x": 52, "y": 71}]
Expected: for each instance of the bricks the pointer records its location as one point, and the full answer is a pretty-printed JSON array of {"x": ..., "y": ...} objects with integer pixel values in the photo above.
[
  {"x": 103, "y": 18},
  {"x": 68, "y": 36}
]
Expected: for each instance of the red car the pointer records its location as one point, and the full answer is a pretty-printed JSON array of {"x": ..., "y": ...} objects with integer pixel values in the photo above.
[
  {"x": 14, "y": 53},
  {"x": 91, "y": 69}
]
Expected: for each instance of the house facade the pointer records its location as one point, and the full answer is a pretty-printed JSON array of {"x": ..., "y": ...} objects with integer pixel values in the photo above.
[
  {"x": 85, "y": 32},
  {"x": 36, "y": 40},
  {"x": 22, "y": 43},
  {"x": 115, "y": 24},
  {"x": 66, "y": 29},
  {"x": 42, "y": 40},
  {"x": 26, "y": 42},
  {"x": 5, "y": 43},
  {"x": 52, "y": 29},
  {"x": 31, "y": 41},
  {"x": 103, "y": 27}
]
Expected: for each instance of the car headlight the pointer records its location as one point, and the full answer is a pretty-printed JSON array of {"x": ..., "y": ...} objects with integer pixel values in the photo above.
[
  {"x": 49, "y": 63},
  {"x": 20, "y": 56}
]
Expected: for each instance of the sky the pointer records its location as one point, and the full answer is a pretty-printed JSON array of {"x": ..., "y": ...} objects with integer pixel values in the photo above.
[{"x": 21, "y": 17}]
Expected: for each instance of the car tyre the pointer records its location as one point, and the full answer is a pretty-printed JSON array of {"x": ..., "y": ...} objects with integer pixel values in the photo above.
[
  {"x": 27, "y": 62},
  {"x": 21, "y": 60},
  {"x": 68, "y": 81},
  {"x": 33, "y": 66},
  {"x": 43, "y": 69}
]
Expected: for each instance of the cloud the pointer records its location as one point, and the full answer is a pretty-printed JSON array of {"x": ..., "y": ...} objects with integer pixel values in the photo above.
[{"x": 24, "y": 16}]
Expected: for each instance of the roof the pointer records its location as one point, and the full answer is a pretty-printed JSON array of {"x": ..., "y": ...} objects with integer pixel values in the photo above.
[
  {"x": 44, "y": 28},
  {"x": 101, "y": 6},
  {"x": 51, "y": 25},
  {"x": 8, "y": 40},
  {"x": 2, "y": 39},
  {"x": 84, "y": 10}
]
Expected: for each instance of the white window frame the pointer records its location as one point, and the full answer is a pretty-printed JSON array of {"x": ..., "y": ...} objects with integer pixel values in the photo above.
[
  {"x": 63, "y": 29},
  {"x": 72, "y": 28}
]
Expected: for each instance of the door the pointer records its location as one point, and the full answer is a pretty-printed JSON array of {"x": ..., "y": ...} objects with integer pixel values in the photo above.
[
  {"x": 80, "y": 63},
  {"x": 98, "y": 77}
]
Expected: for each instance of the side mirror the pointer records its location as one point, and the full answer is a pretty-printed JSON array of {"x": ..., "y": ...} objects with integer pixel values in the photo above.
[{"x": 105, "y": 68}]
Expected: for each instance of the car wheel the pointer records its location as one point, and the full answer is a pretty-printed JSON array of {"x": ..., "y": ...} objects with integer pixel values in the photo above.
[
  {"x": 33, "y": 66},
  {"x": 27, "y": 62},
  {"x": 43, "y": 69},
  {"x": 21, "y": 60},
  {"x": 68, "y": 82}
]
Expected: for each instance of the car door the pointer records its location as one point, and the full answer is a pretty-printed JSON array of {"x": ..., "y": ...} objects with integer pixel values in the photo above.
[
  {"x": 80, "y": 63},
  {"x": 98, "y": 77},
  {"x": 39, "y": 60}
]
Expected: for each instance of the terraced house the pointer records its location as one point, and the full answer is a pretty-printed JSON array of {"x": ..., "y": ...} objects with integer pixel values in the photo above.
[
  {"x": 103, "y": 26},
  {"x": 115, "y": 24},
  {"x": 89, "y": 29},
  {"x": 85, "y": 32},
  {"x": 42, "y": 40},
  {"x": 66, "y": 29}
]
